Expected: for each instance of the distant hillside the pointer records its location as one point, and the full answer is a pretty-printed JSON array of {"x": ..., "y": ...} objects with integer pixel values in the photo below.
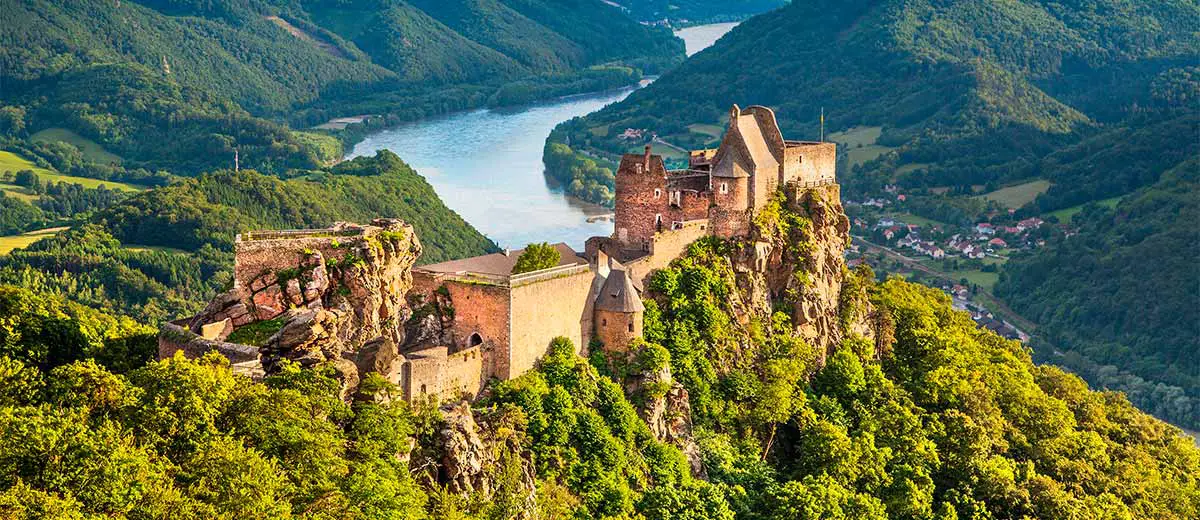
[
  {"x": 158, "y": 254},
  {"x": 689, "y": 12},
  {"x": 222, "y": 75},
  {"x": 969, "y": 89}
]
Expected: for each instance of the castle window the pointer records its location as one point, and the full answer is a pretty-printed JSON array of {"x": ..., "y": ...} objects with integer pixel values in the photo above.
[
  {"x": 631, "y": 326},
  {"x": 422, "y": 389},
  {"x": 603, "y": 322},
  {"x": 637, "y": 168},
  {"x": 724, "y": 187},
  {"x": 475, "y": 340},
  {"x": 657, "y": 193}
]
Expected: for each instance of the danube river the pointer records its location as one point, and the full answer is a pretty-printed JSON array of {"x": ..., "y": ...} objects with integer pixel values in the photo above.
[{"x": 487, "y": 164}]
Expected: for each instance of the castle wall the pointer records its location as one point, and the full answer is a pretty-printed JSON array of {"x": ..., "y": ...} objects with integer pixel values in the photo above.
[
  {"x": 483, "y": 309},
  {"x": 637, "y": 202},
  {"x": 545, "y": 307},
  {"x": 435, "y": 372},
  {"x": 810, "y": 163},
  {"x": 617, "y": 329},
  {"x": 729, "y": 214},
  {"x": 666, "y": 247}
]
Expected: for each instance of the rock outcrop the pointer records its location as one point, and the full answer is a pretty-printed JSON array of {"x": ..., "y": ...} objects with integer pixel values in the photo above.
[
  {"x": 800, "y": 263},
  {"x": 340, "y": 295}
]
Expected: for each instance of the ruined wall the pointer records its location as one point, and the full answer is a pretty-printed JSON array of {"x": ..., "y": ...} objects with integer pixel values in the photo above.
[
  {"x": 637, "y": 202},
  {"x": 435, "y": 372},
  {"x": 666, "y": 247},
  {"x": 482, "y": 309},
  {"x": 553, "y": 304},
  {"x": 730, "y": 212},
  {"x": 810, "y": 163},
  {"x": 617, "y": 329},
  {"x": 176, "y": 337},
  {"x": 285, "y": 250}
]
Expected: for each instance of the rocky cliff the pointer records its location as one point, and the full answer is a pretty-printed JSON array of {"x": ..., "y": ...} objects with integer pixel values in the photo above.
[{"x": 336, "y": 295}]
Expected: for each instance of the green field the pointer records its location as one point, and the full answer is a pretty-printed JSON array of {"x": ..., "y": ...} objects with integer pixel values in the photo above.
[
  {"x": 713, "y": 131},
  {"x": 91, "y": 150},
  {"x": 858, "y": 136},
  {"x": 859, "y": 143},
  {"x": 1065, "y": 215},
  {"x": 909, "y": 218},
  {"x": 14, "y": 163},
  {"x": 1018, "y": 195},
  {"x": 8, "y": 243},
  {"x": 660, "y": 149},
  {"x": 599, "y": 131}
]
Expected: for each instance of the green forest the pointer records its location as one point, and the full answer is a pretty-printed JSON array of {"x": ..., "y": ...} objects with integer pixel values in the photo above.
[
  {"x": 1099, "y": 99},
  {"x": 182, "y": 85},
  {"x": 681, "y": 13},
  {"x": 946, "y": 421},
  {"x": 163, "y": 253}
]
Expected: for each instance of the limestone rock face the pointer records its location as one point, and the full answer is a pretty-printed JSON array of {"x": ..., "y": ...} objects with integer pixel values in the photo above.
[
  {"x": 471, "y": 451},
  {"x": 464, "y": 457},
  {"x": 805, "y": 268},
  {"x": 308, "y": 337},
  {"x": 337, "y": 291},
  {"x": 670, "y": 418}
]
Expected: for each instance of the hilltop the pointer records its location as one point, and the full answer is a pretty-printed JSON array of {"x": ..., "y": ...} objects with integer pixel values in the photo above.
[
  {"x": 958, "y": 114},
  {"x": 214, "y": 76}
]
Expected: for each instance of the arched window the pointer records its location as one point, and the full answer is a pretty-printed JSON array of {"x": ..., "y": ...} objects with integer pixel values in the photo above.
[
  {"x": 475, "y": 340},
  {"x": 603, "y": 322},
  {"x": 724, "y": 187},
  {"x": 657, "y": 193},
  {"x": 422, "y": 389}
]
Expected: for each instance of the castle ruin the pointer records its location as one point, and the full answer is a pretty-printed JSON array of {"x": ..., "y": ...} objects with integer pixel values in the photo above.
[{"x": 351, "y": 296}]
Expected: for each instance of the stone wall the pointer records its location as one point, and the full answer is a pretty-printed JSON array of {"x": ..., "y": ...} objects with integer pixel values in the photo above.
[
  {"x": 810, "y": 163},
  {"x": 641, "y": 194},
  {"x": 479, "y": 308},
  {"x": 434, "y": 371},
  {"x": 545, "y": 307},
  {"x": 666, "y": 247},
  {"x": 176, "y": 337},
  {"x": 729, "y": 214},
  {"x": 617, "y": 329}
]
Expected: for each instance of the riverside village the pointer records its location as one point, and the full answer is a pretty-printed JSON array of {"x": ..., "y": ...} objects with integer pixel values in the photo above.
[{"x": 353, "y": 295}]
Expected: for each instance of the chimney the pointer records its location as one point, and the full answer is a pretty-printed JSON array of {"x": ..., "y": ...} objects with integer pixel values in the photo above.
[
  {"x": 646, "y": 159},
  {"x": 507, "y": 251}
]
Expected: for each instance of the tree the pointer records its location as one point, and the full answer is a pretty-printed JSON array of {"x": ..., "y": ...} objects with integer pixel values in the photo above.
[{"x": 537, "y": 257}]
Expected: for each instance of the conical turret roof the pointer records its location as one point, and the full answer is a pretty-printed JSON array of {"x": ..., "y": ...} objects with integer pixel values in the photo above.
[{"x": 618, "y": 294}]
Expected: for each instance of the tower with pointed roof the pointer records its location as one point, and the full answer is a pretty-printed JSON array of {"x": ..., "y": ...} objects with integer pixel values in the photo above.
[{"x": 618, "y": 310}]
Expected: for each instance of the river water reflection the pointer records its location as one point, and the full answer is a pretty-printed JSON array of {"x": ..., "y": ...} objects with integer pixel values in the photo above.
[{"x": 487, "y": 164}]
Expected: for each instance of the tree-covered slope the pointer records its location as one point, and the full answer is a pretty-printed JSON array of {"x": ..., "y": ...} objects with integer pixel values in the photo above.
[
  {"x": 978, "y": 89},
  {"x": 688, "y": 12},
  {"x": 225, "y": 75},
  {"x": 1119, "y": 300},
  {"x": 162, "y": 253},
  {"x": 949, "y": 422}
]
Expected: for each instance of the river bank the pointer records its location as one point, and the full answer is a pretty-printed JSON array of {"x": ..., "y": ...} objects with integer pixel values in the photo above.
[{"x": 486, "y": 163}]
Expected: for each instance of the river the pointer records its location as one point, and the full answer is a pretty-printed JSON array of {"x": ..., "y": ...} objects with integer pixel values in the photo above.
[{"x": 487, "y": 164}]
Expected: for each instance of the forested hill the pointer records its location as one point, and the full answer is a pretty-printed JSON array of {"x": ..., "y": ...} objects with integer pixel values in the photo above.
[
  {"x": 1098, "y": 100},
  {"x": 207, "y": 73},
  {"x": 689, "y": 12},
  {"x": 160, "y": 254}
]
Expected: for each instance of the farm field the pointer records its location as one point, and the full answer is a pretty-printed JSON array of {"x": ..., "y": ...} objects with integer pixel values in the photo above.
[
  {"x": 9, "y": 243},
  {"x": 14, "y": 163},
  {"x": 91, "y": 150},
  {"x": 1018, "y": 195},
  {"x": 142, "y": 249},
  {"x": 1065, "y": 214},
  {"x": 859, "y": 143}
]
